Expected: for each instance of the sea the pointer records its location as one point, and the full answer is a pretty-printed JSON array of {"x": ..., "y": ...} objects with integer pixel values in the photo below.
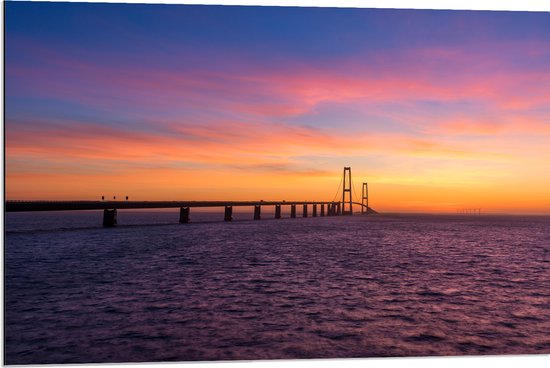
[{"x": 388, "y": 285}]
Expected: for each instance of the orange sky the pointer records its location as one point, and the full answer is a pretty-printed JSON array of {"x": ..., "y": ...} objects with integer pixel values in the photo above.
[{"x": 433, "y": 122}]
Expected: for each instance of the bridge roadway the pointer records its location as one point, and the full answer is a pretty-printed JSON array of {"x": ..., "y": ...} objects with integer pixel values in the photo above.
[
  {"x": 32, "y": 206},
  {"x": 110, "y": 207}
]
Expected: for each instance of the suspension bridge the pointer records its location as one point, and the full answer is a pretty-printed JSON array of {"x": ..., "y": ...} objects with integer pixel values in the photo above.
[{"x": 336, "y": 207}]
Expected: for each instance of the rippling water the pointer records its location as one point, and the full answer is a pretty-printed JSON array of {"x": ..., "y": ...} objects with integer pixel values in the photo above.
[{"x": 332, "y": 287}]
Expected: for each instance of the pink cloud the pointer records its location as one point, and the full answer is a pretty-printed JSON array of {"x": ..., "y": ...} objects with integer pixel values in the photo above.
[{"x": 444, "y": 74}]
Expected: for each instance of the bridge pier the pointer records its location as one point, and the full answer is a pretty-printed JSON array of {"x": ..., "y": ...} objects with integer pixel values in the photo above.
[
  {"x": 305, "y": 211},
  {"x": 338, "y": 209},
  {"x": 228, "y": 213},
  {"x": 292, "y": 211},
  {"x": 109, "y": 218},
  {"x": 184, "y": 215},
  {"x": 322, "y": 209},
  {"x": 277, "y": 211},
  {"x": 314, "y": 214},
  {"x": 257, "y": 212}
]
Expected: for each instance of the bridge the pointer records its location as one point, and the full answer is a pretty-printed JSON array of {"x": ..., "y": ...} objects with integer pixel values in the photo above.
[{"x": 318, "y": 208}]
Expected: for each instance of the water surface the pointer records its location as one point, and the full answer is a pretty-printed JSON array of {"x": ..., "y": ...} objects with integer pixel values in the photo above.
[{"x": 331, "y": 287}]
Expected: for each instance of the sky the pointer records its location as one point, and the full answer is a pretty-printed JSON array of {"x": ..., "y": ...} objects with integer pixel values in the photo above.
[{"x": 437, "y": 110}]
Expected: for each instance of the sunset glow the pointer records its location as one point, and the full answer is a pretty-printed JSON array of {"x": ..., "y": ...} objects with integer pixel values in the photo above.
[{"x": 437, "y": 110}]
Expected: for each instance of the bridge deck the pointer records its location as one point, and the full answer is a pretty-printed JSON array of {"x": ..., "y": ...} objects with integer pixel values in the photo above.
[{"x": 30, "y": 206}]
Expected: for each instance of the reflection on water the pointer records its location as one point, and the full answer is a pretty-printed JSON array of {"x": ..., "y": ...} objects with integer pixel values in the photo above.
[{"x": 328, "y": 287}]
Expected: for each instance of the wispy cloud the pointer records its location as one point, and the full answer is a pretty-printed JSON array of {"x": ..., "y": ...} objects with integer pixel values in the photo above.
[{"x": 176, "y": 105}]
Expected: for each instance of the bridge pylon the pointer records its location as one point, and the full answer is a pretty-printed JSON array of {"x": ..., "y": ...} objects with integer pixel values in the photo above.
[
  {"x": 346, "y": 192},
  {"x": 365, "y": 198}
]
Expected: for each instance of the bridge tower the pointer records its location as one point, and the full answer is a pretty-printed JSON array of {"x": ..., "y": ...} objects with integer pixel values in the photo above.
[
  {"x": 347, "y": 192},
  {"x": 365, "y": 198}
]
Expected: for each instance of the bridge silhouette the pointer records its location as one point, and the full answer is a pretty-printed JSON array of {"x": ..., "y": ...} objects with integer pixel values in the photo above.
[{"x": 318, "y": 208}]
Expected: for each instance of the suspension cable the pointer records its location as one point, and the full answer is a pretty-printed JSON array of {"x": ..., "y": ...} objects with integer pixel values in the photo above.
[
  {"x": 355, "y": 195},
  {"x": 338, "y": 190}
]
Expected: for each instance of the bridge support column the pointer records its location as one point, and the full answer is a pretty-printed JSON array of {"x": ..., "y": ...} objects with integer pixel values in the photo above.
[
  {"x": 346, "y": 193},
  {"x": 314, "y": 212},
  {"x": 184, "y": 215},
  {"x": 257, "y": 212},
  {"x": 322, "y": 209},
  {"x": 109, "y": 218},
  {"x": 278, "y": 211},
  {"x": 228, "y": 213},
  {"x": 305, "y": 210},
  {"x": 293, "y": 211},
  {"x": 365, "y": 199}
]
